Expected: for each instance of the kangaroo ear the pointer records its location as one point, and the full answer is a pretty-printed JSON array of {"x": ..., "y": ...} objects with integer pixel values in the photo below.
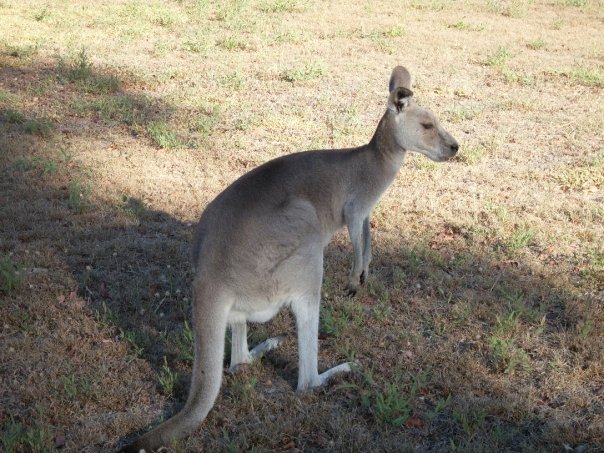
[
  {"x": 399, "y": 98},
  {"x": 400, "y": 78}
]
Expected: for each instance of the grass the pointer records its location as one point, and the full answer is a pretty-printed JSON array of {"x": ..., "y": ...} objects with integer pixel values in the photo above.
[
  {"x": 473, "y": 155},
  {"x": 575, "y": 3},
  {"x": 133, "y": 206},
  {"x": 198, "y": 42},
  {"x": 79, "y": 69},
  {"x": 284, "y": 6},
  {"x": 593, "y": 267},
  {"x": 34, "y": 126},
  {"x": 465, "y": 26},
  {"x": 244, "y": 387},
  {"x": 310, "y": 71},
  {"x": 23, "y": 51},
  {"x": 75, "y": 387},
  {"x": 184, "y": 343},
  {"x": 9, "y": 275},
  {"x": 39, "y": 126},
  {"x": 42, "y": 14},
  {"x": 558, "y": 24},
  {"x": 510, "y": 8},
  {"x": 585, "y": 175},
  {"x": 588, "y": 76},
  {"x": 465, "y": 112},
  {"x": 233, "y": 43},
  {"x": 460, "y": 25},
  {"x": 79, "y": 196},
  {"x": 12, "y": 116},
  {"x": 163, "y": 136},
  {"x": 17, "y": 437},
  {"x": 167, "y": 379},
  {"x": 536, "y": 44},
  {"x": 499, "y": 58},
  {"x": 111, "y": 109},
  {"x": 520, "y": 239},
  {"x": 139, "y": 340},
  {"x": 507, "y": 357},
  {"x": 479, "y": 327},
  {"x": 389, "y": 406},
  {"x": 335, "y": 320}
]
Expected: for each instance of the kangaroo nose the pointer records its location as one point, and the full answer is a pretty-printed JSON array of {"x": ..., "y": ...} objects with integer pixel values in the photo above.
[{"x": 454, "y": 147}]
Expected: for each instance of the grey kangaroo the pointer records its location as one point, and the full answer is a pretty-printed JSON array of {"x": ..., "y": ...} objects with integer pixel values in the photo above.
[{"x": 259, "y": 247}]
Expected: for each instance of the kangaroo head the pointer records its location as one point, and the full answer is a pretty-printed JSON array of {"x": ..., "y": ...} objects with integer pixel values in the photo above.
[{"x": 416, "y": 128}]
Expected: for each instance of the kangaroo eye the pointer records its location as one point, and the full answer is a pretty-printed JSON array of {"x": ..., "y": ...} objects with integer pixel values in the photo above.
[{"x": 428, "y": 125}]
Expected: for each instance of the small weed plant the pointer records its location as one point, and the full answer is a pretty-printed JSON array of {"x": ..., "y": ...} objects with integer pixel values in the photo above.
[
  {"x": 309, "y": 71},
  {"x": 167, "y": 379},
  {"x": 499, "y": 58},
  {"x": 389, "y": 405},
  {"x": 79, "y": 196},
  {"x": 10, "y": 278},
  {"x": 163, "y": 136},
  {"x": 17, "y": 438},
  {"x": 184, "y": 343}
]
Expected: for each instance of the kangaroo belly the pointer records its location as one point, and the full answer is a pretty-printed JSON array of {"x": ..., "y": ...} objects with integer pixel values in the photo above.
[{"x": 264, "y": 313}]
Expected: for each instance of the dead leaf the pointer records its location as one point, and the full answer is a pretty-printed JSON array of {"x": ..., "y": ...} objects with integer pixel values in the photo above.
[
  {"x": 368, "y": 300},
  {"x": 103, "y": 290},
  {"x": 415, "y": 422},
  {"x": 407, "y": 355},
  {"x": 59, "y": 441},
  {"x": 289, "y": 446}
]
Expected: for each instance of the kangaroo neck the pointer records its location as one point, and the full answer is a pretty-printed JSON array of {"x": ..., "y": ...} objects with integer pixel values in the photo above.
[{"x": 383, "y": 143}]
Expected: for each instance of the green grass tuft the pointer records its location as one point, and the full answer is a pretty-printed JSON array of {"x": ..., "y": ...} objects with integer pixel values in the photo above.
[
  {"x": 79, "y": 196},
  {"x": 10, "y": 278},
  {"x": 284, "y": 6},
  {"x": 536, "y": 44},
  {"x": 163, "y": 136},
  {"x": 591, "y": 76},
  {"x": 167, "y": 379},
  {"x": 12, "y": 116},
  {"x": 390, "y": 405},
  {"x": 586, "y": 175},
  {"x": 309, "y": 71},
  {"x": 38, "y": 126},
  {"x": 499, "y": 58}
]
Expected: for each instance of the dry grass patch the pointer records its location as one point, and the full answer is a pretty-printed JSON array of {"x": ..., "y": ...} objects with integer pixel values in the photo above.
[{"x": 584, "y": 175}]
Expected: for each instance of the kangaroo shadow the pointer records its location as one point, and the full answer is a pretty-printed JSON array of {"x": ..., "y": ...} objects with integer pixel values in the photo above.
[{"x": 126, "y": 264}]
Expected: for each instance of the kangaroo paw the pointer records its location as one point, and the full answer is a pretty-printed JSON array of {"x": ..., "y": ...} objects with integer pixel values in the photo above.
[
  {"x": 328, "y": 375},
  {"x": 324, "y": 378},
  {"x": 351, "y": 289},
  {"x": 266, "y": 346}
]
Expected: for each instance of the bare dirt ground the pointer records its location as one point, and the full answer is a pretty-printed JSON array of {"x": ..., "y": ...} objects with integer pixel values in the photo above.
[{"x": 481, "y": 325}]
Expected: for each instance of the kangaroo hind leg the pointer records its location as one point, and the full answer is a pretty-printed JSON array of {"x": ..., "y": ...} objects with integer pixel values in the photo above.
[{"x": 306, "y": 310}]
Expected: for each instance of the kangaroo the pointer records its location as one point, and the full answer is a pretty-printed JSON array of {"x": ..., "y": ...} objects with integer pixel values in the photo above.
[{"x": 259, "y": 247}]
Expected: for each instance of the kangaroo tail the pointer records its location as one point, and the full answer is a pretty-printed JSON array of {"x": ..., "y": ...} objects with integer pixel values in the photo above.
[{"x": 209, "y": 326}]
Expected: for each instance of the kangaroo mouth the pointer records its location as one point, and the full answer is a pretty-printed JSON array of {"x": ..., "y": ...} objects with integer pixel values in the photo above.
[{"x": 450, "y": 152}]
